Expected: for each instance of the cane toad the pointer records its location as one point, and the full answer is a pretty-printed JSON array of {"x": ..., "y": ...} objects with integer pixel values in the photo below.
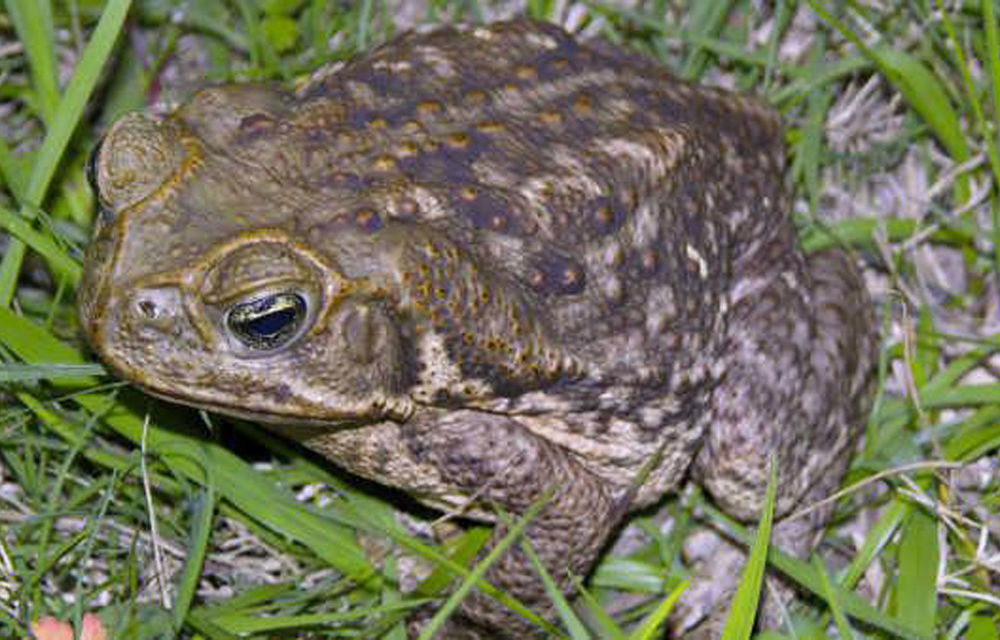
[{"x": 486, "y": 265}]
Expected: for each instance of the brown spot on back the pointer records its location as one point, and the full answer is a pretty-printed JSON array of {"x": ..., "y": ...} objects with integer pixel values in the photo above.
[
  {"x": 605, "y": 215},
  {"x": 551, "y": 117},
  {"x": 554, "y": 274},
  {"x": 368, "y": 219},
  {"x": 411, "y": 127},
  {"x": 384, "y": 163},
  {"x": 475, "y": 98},
  {"x": 459, "y": 140},
  {"x": 489, "y": 208},
  {"x": 525, "y": 72},
  {"x": 491, "y": 126},
  {"x": 407, "y": 150},
  {"x": 583, "y": 105},
  {"x": 429, "y": 108}
]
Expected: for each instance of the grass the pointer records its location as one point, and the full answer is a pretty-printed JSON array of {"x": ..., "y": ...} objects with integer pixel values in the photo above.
[{"x": 115, "y": 503}]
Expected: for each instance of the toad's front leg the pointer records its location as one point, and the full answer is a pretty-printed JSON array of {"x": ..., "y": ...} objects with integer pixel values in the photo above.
[{"x": 501, "y": 465}]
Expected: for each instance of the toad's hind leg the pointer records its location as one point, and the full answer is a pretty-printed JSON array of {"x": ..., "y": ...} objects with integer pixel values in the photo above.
[{"x": 800, "y": 354}]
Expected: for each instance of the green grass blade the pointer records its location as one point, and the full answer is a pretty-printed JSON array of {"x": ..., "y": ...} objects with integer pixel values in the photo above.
[
  {"x": 609, "y": 629},
  {"x": 970, "y": 85},
  {"x": 859, "y": 232},
  {"x": 978, "y": 435},
  {"x": 809, "y": 149},
  {"x": 743, "y": 611},
  {"x": 64, "y": 122},
  {"x": 33, "y": 22},
  {"x": 13, "y": 372},
  {"x": 652, "y": 627},
  {"x": 707, "y": 18},
  {"x": 569, "y": 618},
  {"x": 197, "y": 549},
  {"x": 57, "y": 258},
  {"x": 927, "y": 96},
  {"x": 983, "y": 628},
  {"x": 248, "y": 622},
  {"x": 451, "y": 604},
  {"x": 833, "y": 601},
  {"x": 916, "y": 587},
  {"x": 72, "y": 435},
  {"x": 461, "y": 554},
  {"x": 630, "y": 574},
  {"x": 207, "y": 629},
  {"x": 805, "y": 576},
  {"x": 362, "y": 36},
  {"x": 993, "y": 56},
  {"x": 809, "y": 79},
  {"x": 878, "y": 537},
  {"x": 251, "y": 597}
]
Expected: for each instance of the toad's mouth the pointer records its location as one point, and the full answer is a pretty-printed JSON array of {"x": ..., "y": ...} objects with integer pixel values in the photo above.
[{"x": 288, "y": 424}]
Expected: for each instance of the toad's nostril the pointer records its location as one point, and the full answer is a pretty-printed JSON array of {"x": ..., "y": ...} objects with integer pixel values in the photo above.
[
  {"x": 152, "y": 309},
  {"x": 148, "y": 309}
]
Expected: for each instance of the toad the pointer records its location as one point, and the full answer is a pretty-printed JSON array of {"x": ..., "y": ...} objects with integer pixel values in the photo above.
[{"x": 493, "y": 267}]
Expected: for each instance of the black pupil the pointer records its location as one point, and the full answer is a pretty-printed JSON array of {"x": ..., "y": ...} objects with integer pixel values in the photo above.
[
  {"x": 268, "y": 322},
  {"x": 272, "y": 323}
]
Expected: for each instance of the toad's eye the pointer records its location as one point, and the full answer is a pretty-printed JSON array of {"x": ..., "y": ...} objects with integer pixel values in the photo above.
[{"x": 267, "y": 322}]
